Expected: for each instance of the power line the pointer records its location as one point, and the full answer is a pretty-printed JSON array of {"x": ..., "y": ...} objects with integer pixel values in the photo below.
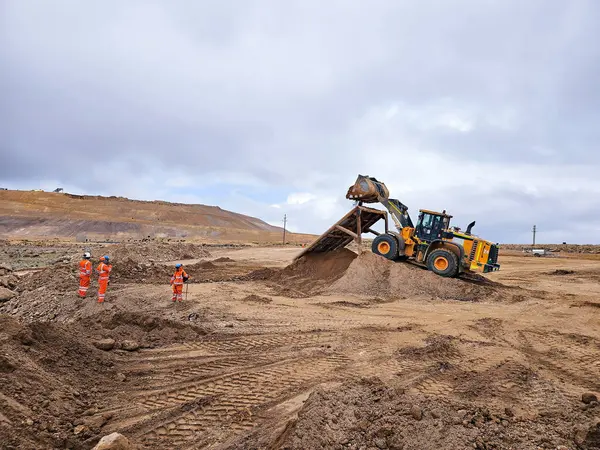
[
  {"x": 534, "y": 231},
  {"x": 284, "y": 224}
]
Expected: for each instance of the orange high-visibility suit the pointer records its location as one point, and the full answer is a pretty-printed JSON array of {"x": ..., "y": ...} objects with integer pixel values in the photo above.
[
  {"x": 103, "y": 270},
  {"x": 85, "y": 275},
  {"x": 177, "y": 282}
]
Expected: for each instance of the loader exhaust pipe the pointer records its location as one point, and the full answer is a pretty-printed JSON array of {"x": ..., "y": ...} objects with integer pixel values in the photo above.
[{"x": 469, "y": 228}]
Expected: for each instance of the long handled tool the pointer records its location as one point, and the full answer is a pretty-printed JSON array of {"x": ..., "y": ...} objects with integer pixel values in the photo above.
[{"x": 186, "y": 291}]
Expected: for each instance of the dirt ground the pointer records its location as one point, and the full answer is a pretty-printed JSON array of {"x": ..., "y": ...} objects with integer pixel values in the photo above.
[{"x": 340, "y": 351}]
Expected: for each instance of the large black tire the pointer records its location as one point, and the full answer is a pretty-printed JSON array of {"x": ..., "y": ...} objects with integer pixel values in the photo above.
[
  {"x": 443, "y": 262},
  {"x": 386, "y": 246}
]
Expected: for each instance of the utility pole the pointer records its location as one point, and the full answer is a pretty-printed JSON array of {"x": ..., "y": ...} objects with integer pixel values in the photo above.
[
  {"x": 534, "y": 231},
  {"x": 284, "y": 224}
]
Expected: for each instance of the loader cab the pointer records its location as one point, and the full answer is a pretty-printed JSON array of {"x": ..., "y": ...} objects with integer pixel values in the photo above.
[{"x": 431, "y": 225}]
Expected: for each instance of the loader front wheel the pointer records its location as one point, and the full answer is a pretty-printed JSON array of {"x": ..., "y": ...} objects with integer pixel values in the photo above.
[
  {"x": 443, "y": 262},
  {"x": 386, "y": 246}
]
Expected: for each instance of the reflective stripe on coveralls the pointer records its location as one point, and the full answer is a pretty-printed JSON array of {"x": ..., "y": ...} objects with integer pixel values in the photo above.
[
  {"x": 103, "y": 272},
  {"x": 85, "y": 272},
  {"x": 177, "y": 283}
]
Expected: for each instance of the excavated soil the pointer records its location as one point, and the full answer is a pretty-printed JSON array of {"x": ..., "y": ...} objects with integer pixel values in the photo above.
[
  {"x": 51, "y": 378},
  {"x": 345, "y": 272},
  {"x": 37, "y": 254},
  {"x": 370, "y": 415},
  {"x": 54, "y": 379},
  {"x": 309, "y": 275},
  {"x": 373, "y": 275},
  {"x": 146, "y": 252},
  {"x": 332, "y": 351},
  {"x": 51, "y": 293}
]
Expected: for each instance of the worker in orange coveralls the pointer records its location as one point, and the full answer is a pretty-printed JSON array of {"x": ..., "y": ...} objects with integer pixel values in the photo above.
[
  {"x": 103, "y": 270},
  {"x": 177, "y": 280},
  {"x": 85, "y": 274}
]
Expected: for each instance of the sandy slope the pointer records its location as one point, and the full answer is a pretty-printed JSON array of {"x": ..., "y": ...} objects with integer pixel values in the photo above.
[{"x": 44, "y": 214}]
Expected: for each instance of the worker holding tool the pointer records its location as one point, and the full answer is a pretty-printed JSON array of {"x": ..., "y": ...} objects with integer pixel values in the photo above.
[
  {"x": 85, "y": 274},
  {"x": 103, "y": 270},
  {"x": 177, "y": 280}
]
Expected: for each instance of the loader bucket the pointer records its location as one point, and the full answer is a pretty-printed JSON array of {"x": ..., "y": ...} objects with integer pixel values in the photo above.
[{"x": 368, "y": 190}]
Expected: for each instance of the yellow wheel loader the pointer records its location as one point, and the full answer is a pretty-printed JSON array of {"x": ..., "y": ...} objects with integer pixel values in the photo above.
[{"x": 431, "y": 242}]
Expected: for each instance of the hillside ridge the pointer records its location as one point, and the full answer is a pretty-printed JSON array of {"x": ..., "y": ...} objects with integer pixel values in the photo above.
[{"x": 45, "y": 214}]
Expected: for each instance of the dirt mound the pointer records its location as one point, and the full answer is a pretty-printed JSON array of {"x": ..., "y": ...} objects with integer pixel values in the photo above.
[
  {"x": 223, "y": 259},
  {"x": 253, "y": 298},
  {"x": 344, "y": 272},
  {"x": 308, "y": 275},
  {"x": 50, "y": 377},
  {"x": 561, "y": 272},
  {"x": 369, "y": 414},
  {"x": 148, "y": 331},
  {"x": 60, "y": 277},
  {"x": 149, "y": 252},
  {"x": 55, "y": 377},
  {"x": 320, "y": 266},
  {"x": 436, "y": 347},
  {"x": 373, "y": 275},
  {"x": 566, "y": 248}
]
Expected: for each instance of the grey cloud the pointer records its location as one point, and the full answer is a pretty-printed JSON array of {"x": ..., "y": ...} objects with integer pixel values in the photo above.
[{"x": 282, "y": 92}]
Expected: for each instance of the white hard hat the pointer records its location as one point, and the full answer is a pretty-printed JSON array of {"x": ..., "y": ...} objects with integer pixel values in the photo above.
[{"x": 87, "y": 255}]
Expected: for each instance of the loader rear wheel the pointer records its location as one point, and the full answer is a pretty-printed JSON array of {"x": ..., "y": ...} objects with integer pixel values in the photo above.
[
  {"x": 443, "y": 262},
  {"x": 386, "y": 246}
]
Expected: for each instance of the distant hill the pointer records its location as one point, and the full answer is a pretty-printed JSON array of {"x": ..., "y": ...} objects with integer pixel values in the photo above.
[{"x": 30, "y": 214}]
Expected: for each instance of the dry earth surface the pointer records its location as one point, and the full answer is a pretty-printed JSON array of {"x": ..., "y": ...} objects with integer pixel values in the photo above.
[
  {"x": 32, "y": 214},
  {"x": 339, "y": 351}
]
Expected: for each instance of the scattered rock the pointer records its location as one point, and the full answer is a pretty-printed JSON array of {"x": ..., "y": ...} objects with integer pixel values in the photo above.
[
  {"x": 416, "y": 412},
  {"x": 5, "y": 365},
  {"x": 29, "y": 422},
  {"x": 130, "y": 346},
  {"x": 121, "y": 377},
  {"x": 97, "y": 422},
  {"x": 105, "y": 344},
  {"x": 592, "y": 436},
  {"x": 380, "y": 443},
  {"x": 256, "y": 299},
  {"x": 436, "y": 414},
  {"x": 9, "y": 281},
  {"x": 114, "y": 441},
  {"x": 5, "y": 269},
  {"x": 509, "y": 412},
  {"x": 25, "y": 336},
  {"x": 580, "y": 435},
  {"x": 6, "y": 294},
  {"x": 79, "y": 429},
  {"x": 562, "y": 272},
  {"x": 223, "y": 259},
  {"x": 588, "y": 398}
]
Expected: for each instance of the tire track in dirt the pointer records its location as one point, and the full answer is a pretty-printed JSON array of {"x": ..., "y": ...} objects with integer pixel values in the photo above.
[
  {"x": 571, "y": 357},
  {"x": 233, "y": 345},
  {"x": 234, "y": 401},
  {"x": 199, "y": 390}
]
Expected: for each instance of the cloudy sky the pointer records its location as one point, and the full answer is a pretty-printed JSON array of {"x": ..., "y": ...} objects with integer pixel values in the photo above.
[{"x": 489, "y": 109}]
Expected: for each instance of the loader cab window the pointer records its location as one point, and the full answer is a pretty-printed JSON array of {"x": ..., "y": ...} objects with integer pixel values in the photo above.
[{"x": 430, "y": 226}]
